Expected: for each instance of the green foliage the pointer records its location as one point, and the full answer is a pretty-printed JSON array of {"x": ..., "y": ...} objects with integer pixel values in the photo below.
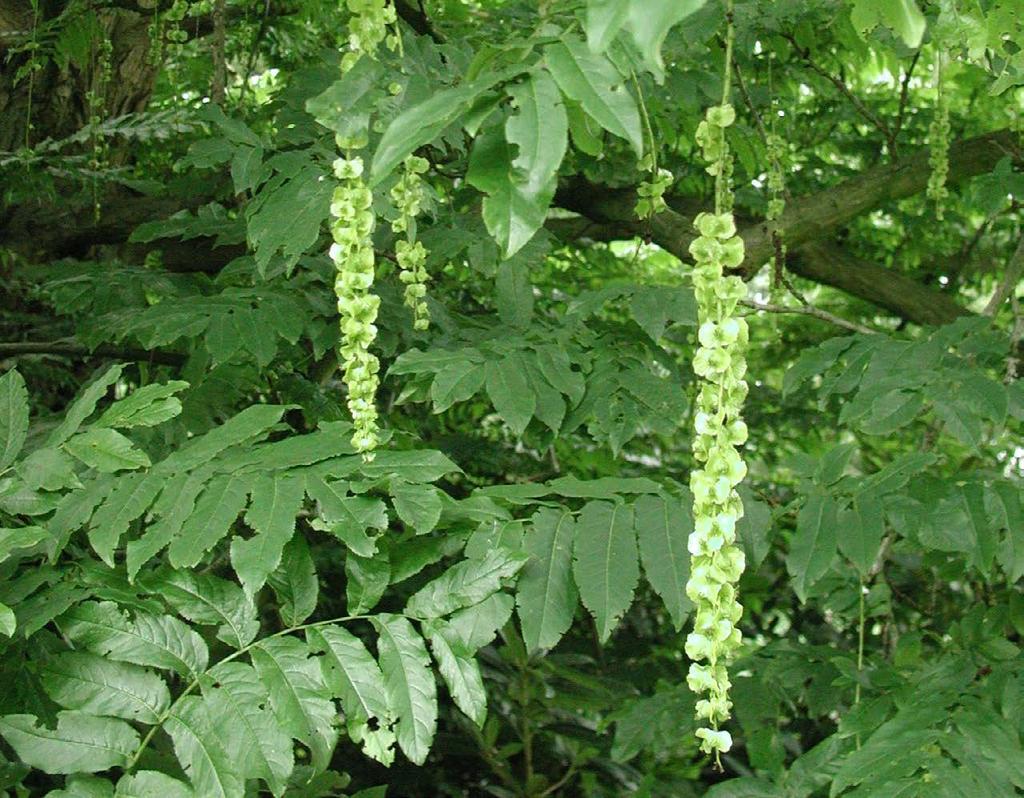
[{"x": 209, "y": 587}]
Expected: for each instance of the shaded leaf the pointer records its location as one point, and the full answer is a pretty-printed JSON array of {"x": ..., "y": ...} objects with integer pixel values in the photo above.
[
  {"x": 200, "y": 752},
  {"x": 409, "y": 682},
  {"x": 295, "y": 582},
  {"x": 419, "y": 506},
  {"x": 80, "y": 743},
  {"x": 82, "y": 681},
  {"x": 247, "y": 729},
  {"x": 510, "y": 393},
  {"x": 215, "y": 511},
  {"x": 131, "y": 497},
  {"x": 158, "y": 641},
  {"x": 514, "y": 296},
  {"x": 456, "y": 382},
  {"x": 207, "y": 599},
  {"x": 903, "y": 17},
  {"x": 146, "y": 407},
  {"x": 813, "y": 547},
  {"x": 511, "y": 214},
  {"x": 106, "y": 450},
  {"x": 545, "y": 593},
  {"x": 593, "y": 82},
  {"x": 13, "y": 416},
  {"x": 464, "y": 584},
  {"x": 605, "y": 562},
  {"x": 860, "y": 530},
  {"x": 474, "y": 627},
  {"x": 276, "y": 501},
  {"x": 301, "y": 701},
  {"x": 172, "y": 508},
  {"x": 366, "y": 580},
  {"x": 461, "y": 674},
  {"x": 663, "y": 526},
  {"x": 13, "y": 540},
  {"x": 83, "y": 406},
  {"x": 420, "y": 124},
  {"x": 151, "y": 784},
  {"x": 245, "y": 427},
  {"x": 352, "y": 674}
]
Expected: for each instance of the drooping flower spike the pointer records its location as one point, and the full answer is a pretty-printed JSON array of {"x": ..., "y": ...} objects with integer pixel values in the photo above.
[
  {"x": 716, "y": 561},
  {"x": 407, "y": 195},
  {"x": 352, "y": 225}
]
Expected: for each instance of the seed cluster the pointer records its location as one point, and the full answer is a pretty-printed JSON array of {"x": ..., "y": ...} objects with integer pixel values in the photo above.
[
  {"x": 938, "y": 149},
  {"x": 167, "y": 26},
  {"x": 352, "y": 253},
  {"x": 353, "y": 221},
  {"x": 407, "y": 195},
  {"x": 651, "y": 191},
  {"x": 776, "y": 151},
  {"x": 95, "y": 99},
  {"x": 776, "y": 177},
  {"x": 372, "y": 22},
  {"x": 714, "y": 147},
  {"x": 716, "y": 560},
  {"x": 175, "y": 15}
]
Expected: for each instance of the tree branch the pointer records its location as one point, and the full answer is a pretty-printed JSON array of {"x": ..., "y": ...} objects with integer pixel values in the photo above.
[
  {"x": 811, "y": 221},
  {"x": 819, "y": 215},
  {"x": 840, "y": 84},
  {"x": 829, "y": 264},
  {"x": 63, "y": 349},
  {"x": 416, "y": 18},
  {"x": 904, "y": 95},
  {"x": 1008, "y": 285},
  {"x": 810, "y": 310}
]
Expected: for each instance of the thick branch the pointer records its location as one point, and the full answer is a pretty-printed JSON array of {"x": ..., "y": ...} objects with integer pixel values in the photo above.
[
  {"x": 811, "y": 221},
  {"x": 62, "y": 349},
  {"x": 817, "y": 216},
  {"x": 831, "y": 265},
  {"x": 416, "y": 18},
  {"x": 45, "y": 231},
  {"x": 1008, "y": 285}
]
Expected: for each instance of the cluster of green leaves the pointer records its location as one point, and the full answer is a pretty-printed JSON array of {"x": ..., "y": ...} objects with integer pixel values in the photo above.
[
  {"x": 206, "y": 591},
  {"x": 238, "y": 698}
]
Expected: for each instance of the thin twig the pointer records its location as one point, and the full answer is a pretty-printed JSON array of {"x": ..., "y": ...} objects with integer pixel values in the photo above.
[
  {"x": 904, "y": 95},
  {"x": 498, "y": 766},
  {"x": 1013, "y": 361},
  {"x": 810, "y": 310},
  {"x": 758, "y": 121},
  {"x": 218, "y": 47},
  {"x": 19, "y": 348},
  {"x": 1008, "y": 285},
  {"x": 551, "y": 790},
  {"x": 251, "y": 63},
  {"x": 840, "y": 84},
  {"x": 975, "y": 239},
  {"x": 742, "y": 86}
]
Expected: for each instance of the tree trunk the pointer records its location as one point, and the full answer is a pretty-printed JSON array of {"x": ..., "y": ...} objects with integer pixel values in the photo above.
[{"x": 52, "y": 101}]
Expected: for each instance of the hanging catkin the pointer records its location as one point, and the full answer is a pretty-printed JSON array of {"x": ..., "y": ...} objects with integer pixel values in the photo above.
[{"x": 716, "y": 560}]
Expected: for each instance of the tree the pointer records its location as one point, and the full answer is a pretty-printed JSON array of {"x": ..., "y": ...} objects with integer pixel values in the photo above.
[{"x": 373, "y": 372}]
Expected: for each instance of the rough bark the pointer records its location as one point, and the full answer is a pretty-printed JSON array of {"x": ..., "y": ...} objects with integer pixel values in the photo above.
[
  {"x": 60, "y": 231},
  {"x": 896, "y": 292},
  {"x": 58, "y": 95},
  {"x": 817, "y": 216},
  {"x": 810, "y": 223}
]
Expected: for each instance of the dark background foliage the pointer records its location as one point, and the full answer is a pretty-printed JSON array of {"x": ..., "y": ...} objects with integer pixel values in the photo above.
[{"x": 204, "y": 591}]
